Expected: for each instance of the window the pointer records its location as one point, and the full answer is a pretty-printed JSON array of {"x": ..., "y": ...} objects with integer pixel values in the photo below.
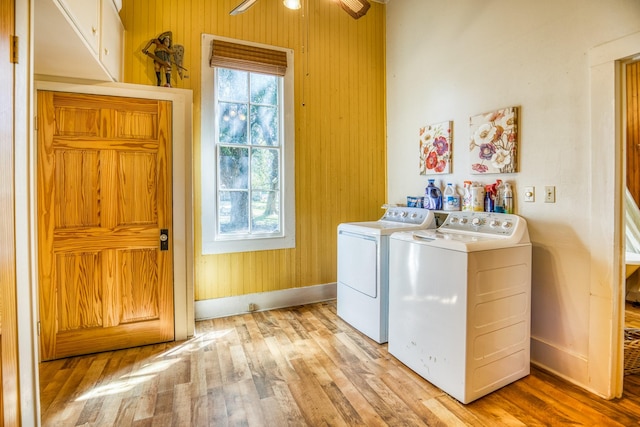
[{"x": 247, "y": 147}]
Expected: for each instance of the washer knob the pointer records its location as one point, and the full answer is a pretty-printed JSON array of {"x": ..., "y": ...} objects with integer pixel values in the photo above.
[
  {"x": 476, "y": 221},
  {"x": 494, "y": 223},
  {"x": 506, "y": 225}
]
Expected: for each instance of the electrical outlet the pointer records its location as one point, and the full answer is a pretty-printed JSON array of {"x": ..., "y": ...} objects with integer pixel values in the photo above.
[
  {"x": 550, "y": 194},
  {"x": 529, "y": 194}
]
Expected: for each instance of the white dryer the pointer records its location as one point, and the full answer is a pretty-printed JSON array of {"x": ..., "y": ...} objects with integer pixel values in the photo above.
[
  {"x": 363, "y": 267},
  {"x": 460, "y": 302}
]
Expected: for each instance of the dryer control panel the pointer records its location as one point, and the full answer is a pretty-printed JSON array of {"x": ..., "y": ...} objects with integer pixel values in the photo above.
[{"x": 407, "y": 215}]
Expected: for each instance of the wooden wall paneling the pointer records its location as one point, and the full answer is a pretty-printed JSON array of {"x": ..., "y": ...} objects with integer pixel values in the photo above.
[
  {"x": 633, "y": 130},
  {"x": 340, "y": 141}
]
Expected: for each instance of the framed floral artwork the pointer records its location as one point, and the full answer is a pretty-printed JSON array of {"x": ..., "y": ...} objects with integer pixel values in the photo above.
[
  {"x": 435, "y": 148},
  {"x": 494, "y": 141}
]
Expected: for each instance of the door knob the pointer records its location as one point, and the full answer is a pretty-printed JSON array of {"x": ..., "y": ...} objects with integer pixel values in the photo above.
[{"x": 164, "y": 239}]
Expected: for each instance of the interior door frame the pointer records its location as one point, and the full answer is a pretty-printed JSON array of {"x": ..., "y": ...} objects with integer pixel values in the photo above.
[
  {"x": 606, "y": 318},
  {"x": 182, "y": 102}
]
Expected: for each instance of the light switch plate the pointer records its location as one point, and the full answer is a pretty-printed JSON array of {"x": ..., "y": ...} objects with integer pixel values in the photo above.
[
  {"x": 529, "y": 194},
  {"x": 549, "y": 194}
]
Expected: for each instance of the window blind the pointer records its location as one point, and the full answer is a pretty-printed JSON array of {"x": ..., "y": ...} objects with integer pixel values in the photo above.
[{"x": 248, "y": 58}]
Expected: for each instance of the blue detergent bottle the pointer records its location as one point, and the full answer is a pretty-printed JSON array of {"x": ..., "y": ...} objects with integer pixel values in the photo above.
[{"x": 432, "y": 196}]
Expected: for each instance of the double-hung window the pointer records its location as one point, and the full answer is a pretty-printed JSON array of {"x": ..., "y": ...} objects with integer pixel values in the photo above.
[{"x": 247, "y": 147}]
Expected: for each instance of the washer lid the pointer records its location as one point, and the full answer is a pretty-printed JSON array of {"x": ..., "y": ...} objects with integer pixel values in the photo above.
[
  {"x": 460, "y": 242},
  {"x": 378, "y": 228},
  {"x": 394, "y": 219}
]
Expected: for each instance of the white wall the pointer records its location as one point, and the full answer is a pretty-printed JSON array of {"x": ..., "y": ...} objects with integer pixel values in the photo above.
[{"x": 449, "y": 60}]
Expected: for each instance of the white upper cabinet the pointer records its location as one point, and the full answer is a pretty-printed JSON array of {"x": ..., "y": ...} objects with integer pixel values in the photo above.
[
  {"x": 85, "y": 14},
  {"x": 112, "y": 41},
  {"x": 81, "y": 39}
]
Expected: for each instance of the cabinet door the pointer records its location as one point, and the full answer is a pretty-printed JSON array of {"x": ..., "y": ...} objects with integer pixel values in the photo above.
[
  {"x": 86, "y": 15},
  {"x": 112, "y": 40}
]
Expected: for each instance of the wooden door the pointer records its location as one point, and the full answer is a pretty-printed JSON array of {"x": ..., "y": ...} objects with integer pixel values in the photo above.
[
  {"x": 9, "y": 389},
  {"x": 104, "y": 195}
]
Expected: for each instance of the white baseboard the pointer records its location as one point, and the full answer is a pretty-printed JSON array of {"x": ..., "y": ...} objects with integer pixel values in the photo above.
[
  {"x": 229, "y": 306},
  {"x": 559, "y": 361}
]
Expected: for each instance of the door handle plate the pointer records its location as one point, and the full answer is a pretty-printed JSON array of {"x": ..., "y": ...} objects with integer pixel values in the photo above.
[{"x": 164, "y": 239}]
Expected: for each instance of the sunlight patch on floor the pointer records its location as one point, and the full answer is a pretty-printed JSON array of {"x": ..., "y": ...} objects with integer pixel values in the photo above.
[{"x": 150, "y": 370}]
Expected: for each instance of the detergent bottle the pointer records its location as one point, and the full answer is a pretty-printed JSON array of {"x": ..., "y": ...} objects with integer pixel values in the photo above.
[
  {"x": 450, "y": 199},
  {"x": 432, "y": 196}
]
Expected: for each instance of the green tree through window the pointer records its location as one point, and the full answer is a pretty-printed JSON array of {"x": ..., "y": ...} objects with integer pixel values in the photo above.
[{"x": 248, "y": 114}]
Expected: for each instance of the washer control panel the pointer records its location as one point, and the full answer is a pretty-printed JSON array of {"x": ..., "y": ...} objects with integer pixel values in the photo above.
[
  {"x": 406, "y": 215},
  {"x": 497, "y": 224}
]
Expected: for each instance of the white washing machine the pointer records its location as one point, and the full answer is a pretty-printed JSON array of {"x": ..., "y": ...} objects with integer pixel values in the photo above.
[
  {"x": 363, "y": 267},
  {"x": 460, "y": 302}
]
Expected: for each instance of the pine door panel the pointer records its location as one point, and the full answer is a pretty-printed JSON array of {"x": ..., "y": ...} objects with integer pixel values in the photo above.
[
  {"x": 104, "y": 194},
  {"x": 9, "y": 392}
]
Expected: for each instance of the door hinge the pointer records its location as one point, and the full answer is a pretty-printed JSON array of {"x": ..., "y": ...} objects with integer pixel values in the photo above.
[
  {"x": 14, "y": 50},
  {"x": 38, "y": 328}
]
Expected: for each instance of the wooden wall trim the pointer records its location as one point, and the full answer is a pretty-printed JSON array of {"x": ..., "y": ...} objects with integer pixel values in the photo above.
[{"x": 10, "y": 401}]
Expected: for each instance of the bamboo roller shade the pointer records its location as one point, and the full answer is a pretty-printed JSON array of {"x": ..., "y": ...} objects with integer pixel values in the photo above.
[{"x": 248, "y": 58}]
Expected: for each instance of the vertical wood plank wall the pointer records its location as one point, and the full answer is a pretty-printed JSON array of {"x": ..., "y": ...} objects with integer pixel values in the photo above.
[
  {"x": 340, "y": 131},
  {"x": 633, "y": 129}
]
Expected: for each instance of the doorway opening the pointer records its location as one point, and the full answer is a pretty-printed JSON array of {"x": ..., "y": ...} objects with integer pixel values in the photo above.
[{"x": 630, "y": 112}]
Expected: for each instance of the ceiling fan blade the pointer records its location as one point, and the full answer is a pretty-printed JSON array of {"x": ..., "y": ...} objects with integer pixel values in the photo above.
[
  {"x": 242, "y": 7},
  {"x": 355, "y": 8}
]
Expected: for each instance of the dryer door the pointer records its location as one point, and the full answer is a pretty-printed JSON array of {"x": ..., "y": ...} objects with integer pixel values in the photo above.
[{"x": 358, "y": 262}]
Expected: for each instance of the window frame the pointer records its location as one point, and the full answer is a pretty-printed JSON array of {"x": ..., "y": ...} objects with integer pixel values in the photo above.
[{"x": 209, "y": 175}]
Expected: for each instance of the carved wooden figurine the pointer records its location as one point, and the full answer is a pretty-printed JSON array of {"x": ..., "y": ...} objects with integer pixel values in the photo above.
[{"x": 165, "y": 55}]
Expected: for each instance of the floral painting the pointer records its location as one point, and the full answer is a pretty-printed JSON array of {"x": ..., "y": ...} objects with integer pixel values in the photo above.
[
  {"x": 435, "y": 149},
  {"x": 494, "y": 141}
]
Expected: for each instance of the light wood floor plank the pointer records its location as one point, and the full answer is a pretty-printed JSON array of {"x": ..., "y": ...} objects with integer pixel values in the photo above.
[
  {"x": 366, "y": 413},
  {"x": 301, "y": 366},
  {"x": 315, "y": 405},
  {"x": 217, "y": 407}
]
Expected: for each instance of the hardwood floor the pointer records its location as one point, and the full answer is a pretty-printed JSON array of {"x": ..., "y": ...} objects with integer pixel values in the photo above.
[{"x": 300, "y": 366}]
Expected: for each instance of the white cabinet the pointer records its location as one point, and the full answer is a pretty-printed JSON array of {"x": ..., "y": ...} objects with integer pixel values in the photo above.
[
  {"x": 112, "y": 40},
  {"x": 85, "y": 14},
  {"x": 81, "y": 39}
]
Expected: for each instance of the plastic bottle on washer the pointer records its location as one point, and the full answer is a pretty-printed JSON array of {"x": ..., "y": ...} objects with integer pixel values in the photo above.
[
  {"x": 489, "y": 198},
  {"x": 499, "y": 196},
  {"x": 508, "y": 198},
  {"x": 477, "y": 197},
  {"x": 432, "y": 196},
  {"x": 450, "y": 199},
  {"x": 466, "y": 197}
]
